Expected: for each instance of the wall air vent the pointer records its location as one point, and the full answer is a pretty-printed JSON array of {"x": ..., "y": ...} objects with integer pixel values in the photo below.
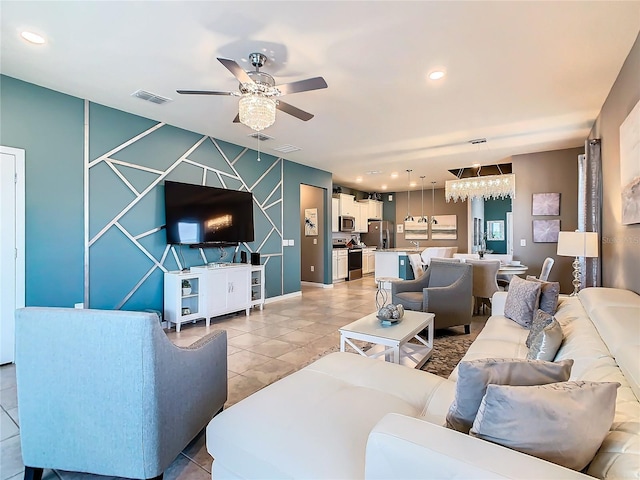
[
  {"x": 260, "y": 136},
  {"x": 476, "y": 141},
  {"x": 287, "y": 148},
  {"x": 151, "y": 97}
]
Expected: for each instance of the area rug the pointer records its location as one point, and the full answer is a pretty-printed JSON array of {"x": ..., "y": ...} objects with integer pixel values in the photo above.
[{"x": 448, "y": 349}]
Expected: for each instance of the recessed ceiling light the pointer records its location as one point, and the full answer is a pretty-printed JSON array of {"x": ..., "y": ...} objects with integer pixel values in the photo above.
[
  {"x": 475, "y": 165},
  {"x": 32, "y": 37},
  {"x": 436, "y": 75},
  {"x": 374, "y": 172},
  {"x": 384, "y": 187},
  {"x": 394, "y": 174},
  {"x": 413, "y": 184},
  {"x": 358, "y": 179}
]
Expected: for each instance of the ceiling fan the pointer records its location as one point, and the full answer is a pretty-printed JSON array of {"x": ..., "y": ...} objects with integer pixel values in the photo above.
[{"x": 259, "y": 93}]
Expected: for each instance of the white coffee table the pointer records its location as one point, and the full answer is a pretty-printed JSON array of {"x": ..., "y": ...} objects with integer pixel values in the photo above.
[{"x": 392, "y": 342}]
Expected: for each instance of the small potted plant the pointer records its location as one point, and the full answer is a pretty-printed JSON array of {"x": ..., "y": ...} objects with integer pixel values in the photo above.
[{"x": 186, "y": 287}]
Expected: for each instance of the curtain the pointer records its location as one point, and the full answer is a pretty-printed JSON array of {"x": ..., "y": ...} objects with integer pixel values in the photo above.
[{"x": 590, "y": 208}]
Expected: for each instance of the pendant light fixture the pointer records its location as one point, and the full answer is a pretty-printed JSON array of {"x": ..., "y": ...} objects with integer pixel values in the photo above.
[
  {"x": 408, "y": 218},
  {"x": 433, "y": 204},
  {"x": 422, "y": 218}
]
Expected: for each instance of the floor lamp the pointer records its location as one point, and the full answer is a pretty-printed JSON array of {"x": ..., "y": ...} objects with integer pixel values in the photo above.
[{"x": 577, "y": 244}]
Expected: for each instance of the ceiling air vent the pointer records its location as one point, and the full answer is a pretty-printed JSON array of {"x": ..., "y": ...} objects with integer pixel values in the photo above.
[
  {"x": 260, "y": 136},
  {"x": 287, "y": 148},
  {"x": 150, "y": 97}
]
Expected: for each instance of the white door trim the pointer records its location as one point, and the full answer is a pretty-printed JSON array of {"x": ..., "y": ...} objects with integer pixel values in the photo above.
[{"x": 13, "y": 280}]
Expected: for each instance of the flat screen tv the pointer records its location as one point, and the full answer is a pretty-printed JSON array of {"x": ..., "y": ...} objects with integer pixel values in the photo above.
[{"x": 197, "y": 214}]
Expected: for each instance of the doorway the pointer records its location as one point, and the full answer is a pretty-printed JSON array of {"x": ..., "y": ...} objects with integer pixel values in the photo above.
[
  {"x": 312, "y": 234},
  {"x": 12, "y": 246}
]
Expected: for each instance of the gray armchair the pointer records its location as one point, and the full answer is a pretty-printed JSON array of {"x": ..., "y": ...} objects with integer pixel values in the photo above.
[
  {"x": 106, "y": 392},
  {"x": 445, "y": 289}
]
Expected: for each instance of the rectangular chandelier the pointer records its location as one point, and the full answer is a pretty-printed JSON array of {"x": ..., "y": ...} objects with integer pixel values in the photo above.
[{"x": 490, "y": 186}]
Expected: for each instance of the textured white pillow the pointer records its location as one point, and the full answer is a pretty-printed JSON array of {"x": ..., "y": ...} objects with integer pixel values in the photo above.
[
  {"x": 475, "y": 375},
  {"x": 522, "y": 301},
  {"x": 564, "y": 423},
  {"x": 545, "y": 344}
]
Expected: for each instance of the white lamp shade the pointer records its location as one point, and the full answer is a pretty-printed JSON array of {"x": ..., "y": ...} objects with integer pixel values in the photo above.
[{"x": 578, "y": 244}]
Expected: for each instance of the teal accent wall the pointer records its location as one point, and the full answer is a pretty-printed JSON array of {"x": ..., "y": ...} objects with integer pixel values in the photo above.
[
  {"x": 49, "y": 126},
  {"x": 496, "y": 209},
  {"x": 128, "y": 252},
  {"x": 294, "y": 176}
]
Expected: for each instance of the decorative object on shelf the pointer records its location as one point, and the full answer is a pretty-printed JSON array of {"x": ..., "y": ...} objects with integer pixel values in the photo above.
[
  {"x": 186, "y": 311},
  {"x": 630, "y": 167},
  {"x": 422, "y": 218},
  {"x": 311, "y": 222},
  {"x": 186, "y": 288},
  {"x": 577, "y": 244},
  {"x": 545, "y": 204},
  {"x": 490, "y": 186},
  {"x": 444, "y": 227},
  {"x": 409, "y": 218},
  {"x": 546, "y": 231}
]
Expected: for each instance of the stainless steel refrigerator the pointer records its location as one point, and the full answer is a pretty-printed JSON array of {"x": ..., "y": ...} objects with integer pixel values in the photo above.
[{"x": 380, "y": 234}]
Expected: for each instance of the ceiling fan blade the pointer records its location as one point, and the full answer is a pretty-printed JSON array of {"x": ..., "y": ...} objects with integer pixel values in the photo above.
[
  {"x": 204, "y": 92},
  {"x": 315, "y": 83},
  {"x": 237, "y": 119},
  {"x": 236, "y": 69},
  {"x": 295, "y": 111}
]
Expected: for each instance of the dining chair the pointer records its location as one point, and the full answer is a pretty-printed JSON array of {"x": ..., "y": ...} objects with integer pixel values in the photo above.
[
  {"x": 485, "y": 273},
  {"x": 546, "y": 268}
]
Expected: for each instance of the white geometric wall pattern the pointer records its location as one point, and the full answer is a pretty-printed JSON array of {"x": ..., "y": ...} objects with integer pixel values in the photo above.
[{"x": 126, "y": 253}]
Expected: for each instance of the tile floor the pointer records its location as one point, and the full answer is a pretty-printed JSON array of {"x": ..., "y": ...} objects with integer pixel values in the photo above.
[{"x": 262, "y": 348}]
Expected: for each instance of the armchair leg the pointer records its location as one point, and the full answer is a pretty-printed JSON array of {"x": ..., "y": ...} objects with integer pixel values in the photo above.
[
  {"x": 33, "y": 473},
  {"x": 467, "y": 329}
]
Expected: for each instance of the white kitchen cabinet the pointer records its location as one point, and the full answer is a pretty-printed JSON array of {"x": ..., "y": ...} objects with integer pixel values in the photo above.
[
  {"x": 335, "y": 213},
  {"x": 374, "y": 209},
  {"x": 368, "y": 261},
  {"x": 347, "y": 205},
  {"x": 339, "y": 265},
  {"x": 361, "y": 217},
  {"x": 184, "y": 300}
]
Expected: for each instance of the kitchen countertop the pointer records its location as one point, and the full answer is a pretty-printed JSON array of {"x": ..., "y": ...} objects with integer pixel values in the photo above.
[{"x": 399, "y": 250}]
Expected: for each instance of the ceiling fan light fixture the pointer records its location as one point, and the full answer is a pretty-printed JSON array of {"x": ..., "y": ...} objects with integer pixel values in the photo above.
[{"x": 256, "y": 111}]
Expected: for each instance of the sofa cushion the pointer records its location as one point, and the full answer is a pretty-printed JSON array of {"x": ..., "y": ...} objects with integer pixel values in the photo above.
[
  {"x": 546, "y": 343},
  {"x": 564, "y": 423},
  {"x": 540, "y": 320},
  {"x": 410, "y": 300},
  {"x": 522, "y": 301},
  {"x": 549, "y": 294},
  {"x": 474, "y": 376}
]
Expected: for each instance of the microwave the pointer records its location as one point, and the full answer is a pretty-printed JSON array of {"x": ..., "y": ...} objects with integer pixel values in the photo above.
[{"x": 347, "y": 223}]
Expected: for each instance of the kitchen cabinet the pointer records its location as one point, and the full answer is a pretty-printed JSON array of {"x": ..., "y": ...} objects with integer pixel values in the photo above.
[
  {"x": 368, "y": 260},
  {"x": 347, "y": 205},
  {"x": 335, "y": 213},
  {"x": 361, "y": 217},
  {"x": 340, "y": 265},
  {"x": 373, "y": 210}
]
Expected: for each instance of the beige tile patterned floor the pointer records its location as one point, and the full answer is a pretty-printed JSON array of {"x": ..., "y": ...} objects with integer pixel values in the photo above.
[{"x": 262, "y": 348}]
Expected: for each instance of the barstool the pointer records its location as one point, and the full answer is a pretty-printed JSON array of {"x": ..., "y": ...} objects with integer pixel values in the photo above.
[{"x": 382, "y": 295}]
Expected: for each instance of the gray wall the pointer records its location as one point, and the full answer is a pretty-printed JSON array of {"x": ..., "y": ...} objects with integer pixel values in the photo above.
[
  {"x": 312, "y": 248},
  {"x": 620, "y": 243},
  {"x": 545, "y": 172}
]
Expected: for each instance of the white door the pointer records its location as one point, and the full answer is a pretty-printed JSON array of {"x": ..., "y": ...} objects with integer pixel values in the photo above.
[
  {"x": 11, "y": 246},
  {"x": 510, "y": 233}
]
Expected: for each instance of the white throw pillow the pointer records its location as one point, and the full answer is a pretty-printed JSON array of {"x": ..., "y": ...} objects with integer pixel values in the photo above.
[
  {"x": 564, "y": 423},
  {"x": 546, "y": 343}
]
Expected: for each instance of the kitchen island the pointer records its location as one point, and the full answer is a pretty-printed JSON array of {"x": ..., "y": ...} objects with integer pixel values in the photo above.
[{"x": 394, "y": 263}]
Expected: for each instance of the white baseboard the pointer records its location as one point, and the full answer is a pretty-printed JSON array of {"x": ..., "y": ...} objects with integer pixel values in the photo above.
[
  {"x": 317, "y": 285},
  {"x": 283, "y": 297}
]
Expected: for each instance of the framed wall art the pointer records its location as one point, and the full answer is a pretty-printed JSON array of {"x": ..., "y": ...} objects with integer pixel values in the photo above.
[
  {"x": 546, "y": 231},
  {"x": 630, "y": 167},
  {"x": 545, "y": 204},
  {"x": 444, "y": 227},
  {"x": 416, "y": 230},
  {"x": 311, "y": 222}
]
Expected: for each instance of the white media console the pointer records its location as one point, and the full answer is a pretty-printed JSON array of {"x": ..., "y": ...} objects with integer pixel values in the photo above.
[{"x": 212, "y": 290}]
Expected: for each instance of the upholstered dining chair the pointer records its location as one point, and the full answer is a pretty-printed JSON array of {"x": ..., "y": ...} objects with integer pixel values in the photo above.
[
  {"x": 106, "y": 392},
  {"x": 416, "y": 264},
  {"x": 546, "y": 268},
  {"x": 485, "y": 284},
  {"x": 445, "y": 289}
]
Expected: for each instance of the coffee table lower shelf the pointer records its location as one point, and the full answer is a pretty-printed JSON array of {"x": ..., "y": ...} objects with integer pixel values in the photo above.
[{"x": 391, "y": 343}]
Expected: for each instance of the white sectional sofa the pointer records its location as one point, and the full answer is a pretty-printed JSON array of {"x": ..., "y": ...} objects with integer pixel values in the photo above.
[{"x": 346, "y": 416}]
